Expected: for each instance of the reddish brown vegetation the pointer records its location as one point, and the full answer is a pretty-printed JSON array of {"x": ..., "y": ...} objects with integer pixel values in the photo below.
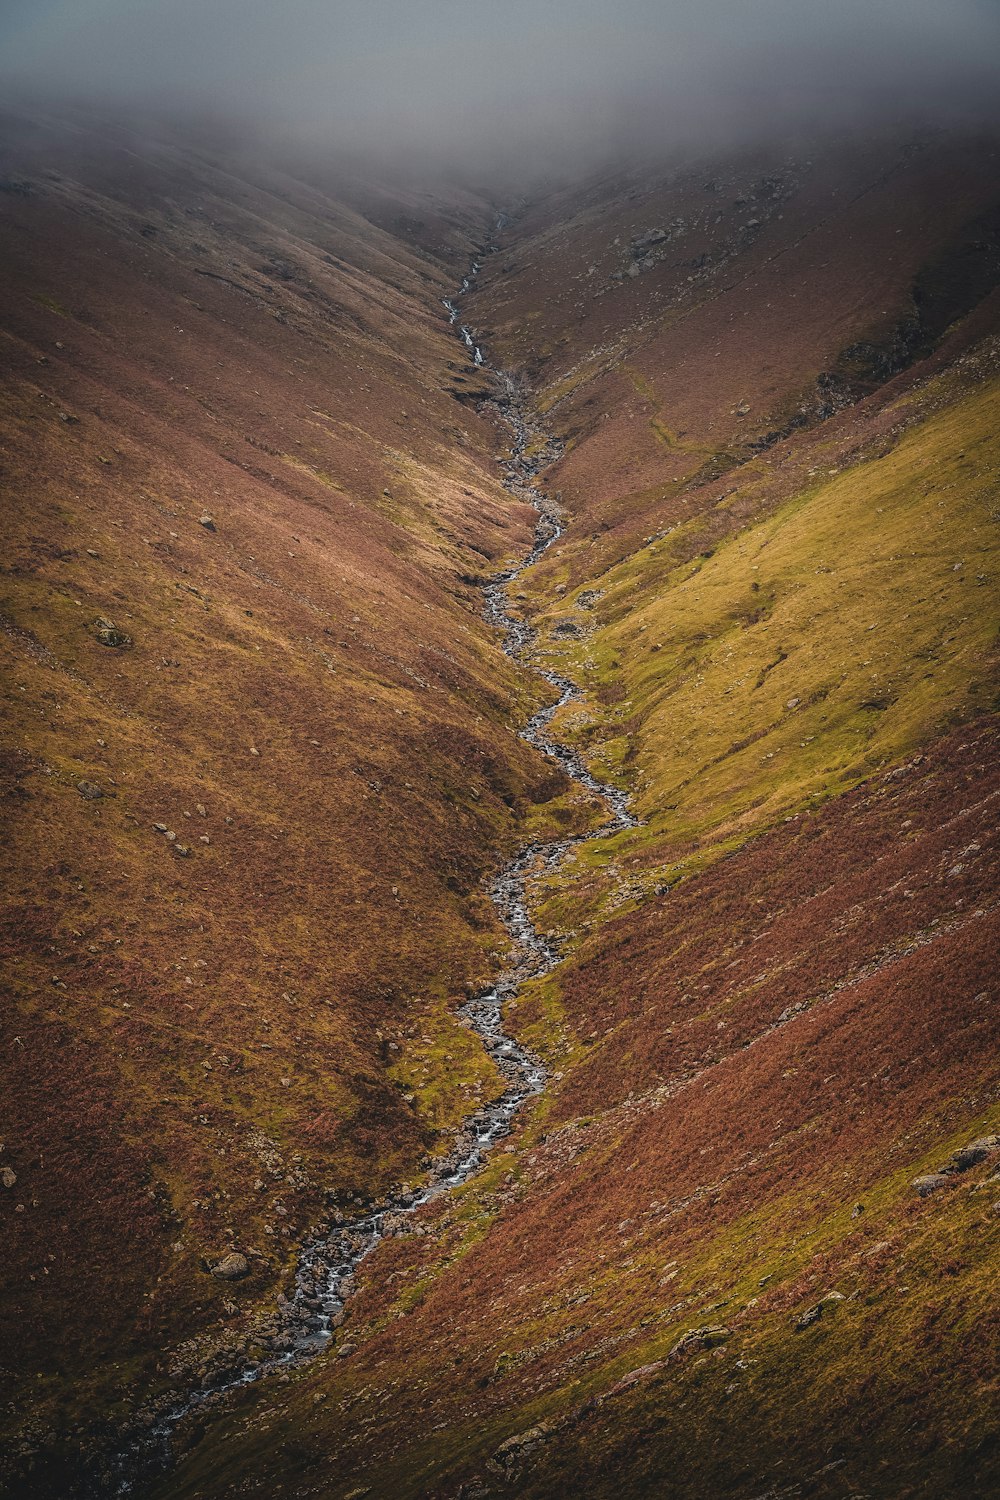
[
  {"x": 749, "y": 1069},
  {"x": 663, "y": 384},
  {"x": 821, "y": 913},
  {"x": 304, "y": 695},
  {"x": 680, "y": 1162}
]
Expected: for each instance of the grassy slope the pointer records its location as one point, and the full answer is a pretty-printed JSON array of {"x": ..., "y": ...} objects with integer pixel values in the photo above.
[
  {"x": 763, "y": 1062},
  {"x": 805, "y": 651},
  {"x": 201, "y": 1049},
  {"x": 751, "y": 1066}
]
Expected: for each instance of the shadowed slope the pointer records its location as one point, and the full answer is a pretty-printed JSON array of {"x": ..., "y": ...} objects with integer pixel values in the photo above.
[{"x": 258, "y": 745}]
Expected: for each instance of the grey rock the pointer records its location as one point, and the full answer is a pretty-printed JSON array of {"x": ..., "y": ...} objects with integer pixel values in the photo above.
[
  {"x": 813, "y": 1314},
  {"x": 89, "y": 791},
  {"x": 7, "y": 1177},
  {"x": 512, "y": 1453},
  {"x": 232, "y": 1267},
  {"x": 975, "y": 1152},
  {"x": 108, "y": 634},
  {"x": 644, "y": 242},
  {"x": 207, "y": 522},
  {"x": 931, "y": 1183},
  {"x": 698, "y": 1338},
  {"x": 635, "y": 1377}
]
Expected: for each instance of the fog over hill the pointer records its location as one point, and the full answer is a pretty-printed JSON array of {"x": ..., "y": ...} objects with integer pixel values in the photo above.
[{"x": 517, "y": 88}]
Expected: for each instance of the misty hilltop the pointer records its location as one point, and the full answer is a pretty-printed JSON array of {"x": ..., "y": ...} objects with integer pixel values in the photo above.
[{"x": 514, "y": 91}]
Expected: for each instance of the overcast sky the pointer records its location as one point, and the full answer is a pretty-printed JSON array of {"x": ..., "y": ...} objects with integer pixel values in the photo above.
[{"x": 518, "y": 79}]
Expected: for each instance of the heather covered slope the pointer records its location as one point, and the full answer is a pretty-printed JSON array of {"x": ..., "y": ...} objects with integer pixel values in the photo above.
[
  {"x": 780, "y": 571},
  {"x": 703, "y": 1269},
  {"x": 258, "y": 742}
]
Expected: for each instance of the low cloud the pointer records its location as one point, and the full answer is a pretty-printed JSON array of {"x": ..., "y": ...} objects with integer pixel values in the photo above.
[{"x": 519, "y": 86}]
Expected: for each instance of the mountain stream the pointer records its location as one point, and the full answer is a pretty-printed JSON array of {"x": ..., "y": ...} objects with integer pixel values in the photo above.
[{"x": 329, "y": 1258}]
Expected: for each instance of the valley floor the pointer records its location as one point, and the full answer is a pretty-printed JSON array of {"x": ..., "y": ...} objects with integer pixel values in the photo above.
[{"x": 262, "y": 761}]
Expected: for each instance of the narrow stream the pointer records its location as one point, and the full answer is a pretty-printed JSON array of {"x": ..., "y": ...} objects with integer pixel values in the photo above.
[{"x": 328, "y": 1259}]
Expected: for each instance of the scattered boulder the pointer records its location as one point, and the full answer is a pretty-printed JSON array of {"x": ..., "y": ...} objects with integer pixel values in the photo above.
[
  {"x": 813, "y": 1314},
  {"x": 7, "y": 1177},
  {"x": 108, "y": 634},
  {"x": 207, "y": 522},
  {"x": 975, "y": 1152},
  {"x": 644, "y": 242},
  {"x": 232, "y": 1267},
  {"x": 89, "y": 791},
  {"x": 963, "y": 1160},
  {"x": 511, "y": 1454},
  {"x": 698, "y": 1338},
  {"x": 644, "y": 1372},
  {"x": 931, "y": 1183}
]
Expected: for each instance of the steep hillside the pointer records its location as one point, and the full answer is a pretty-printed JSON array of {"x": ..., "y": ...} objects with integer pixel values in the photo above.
[
  {"x": 743, "y": 1244},
  {"x": 259, "y": 749}
]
